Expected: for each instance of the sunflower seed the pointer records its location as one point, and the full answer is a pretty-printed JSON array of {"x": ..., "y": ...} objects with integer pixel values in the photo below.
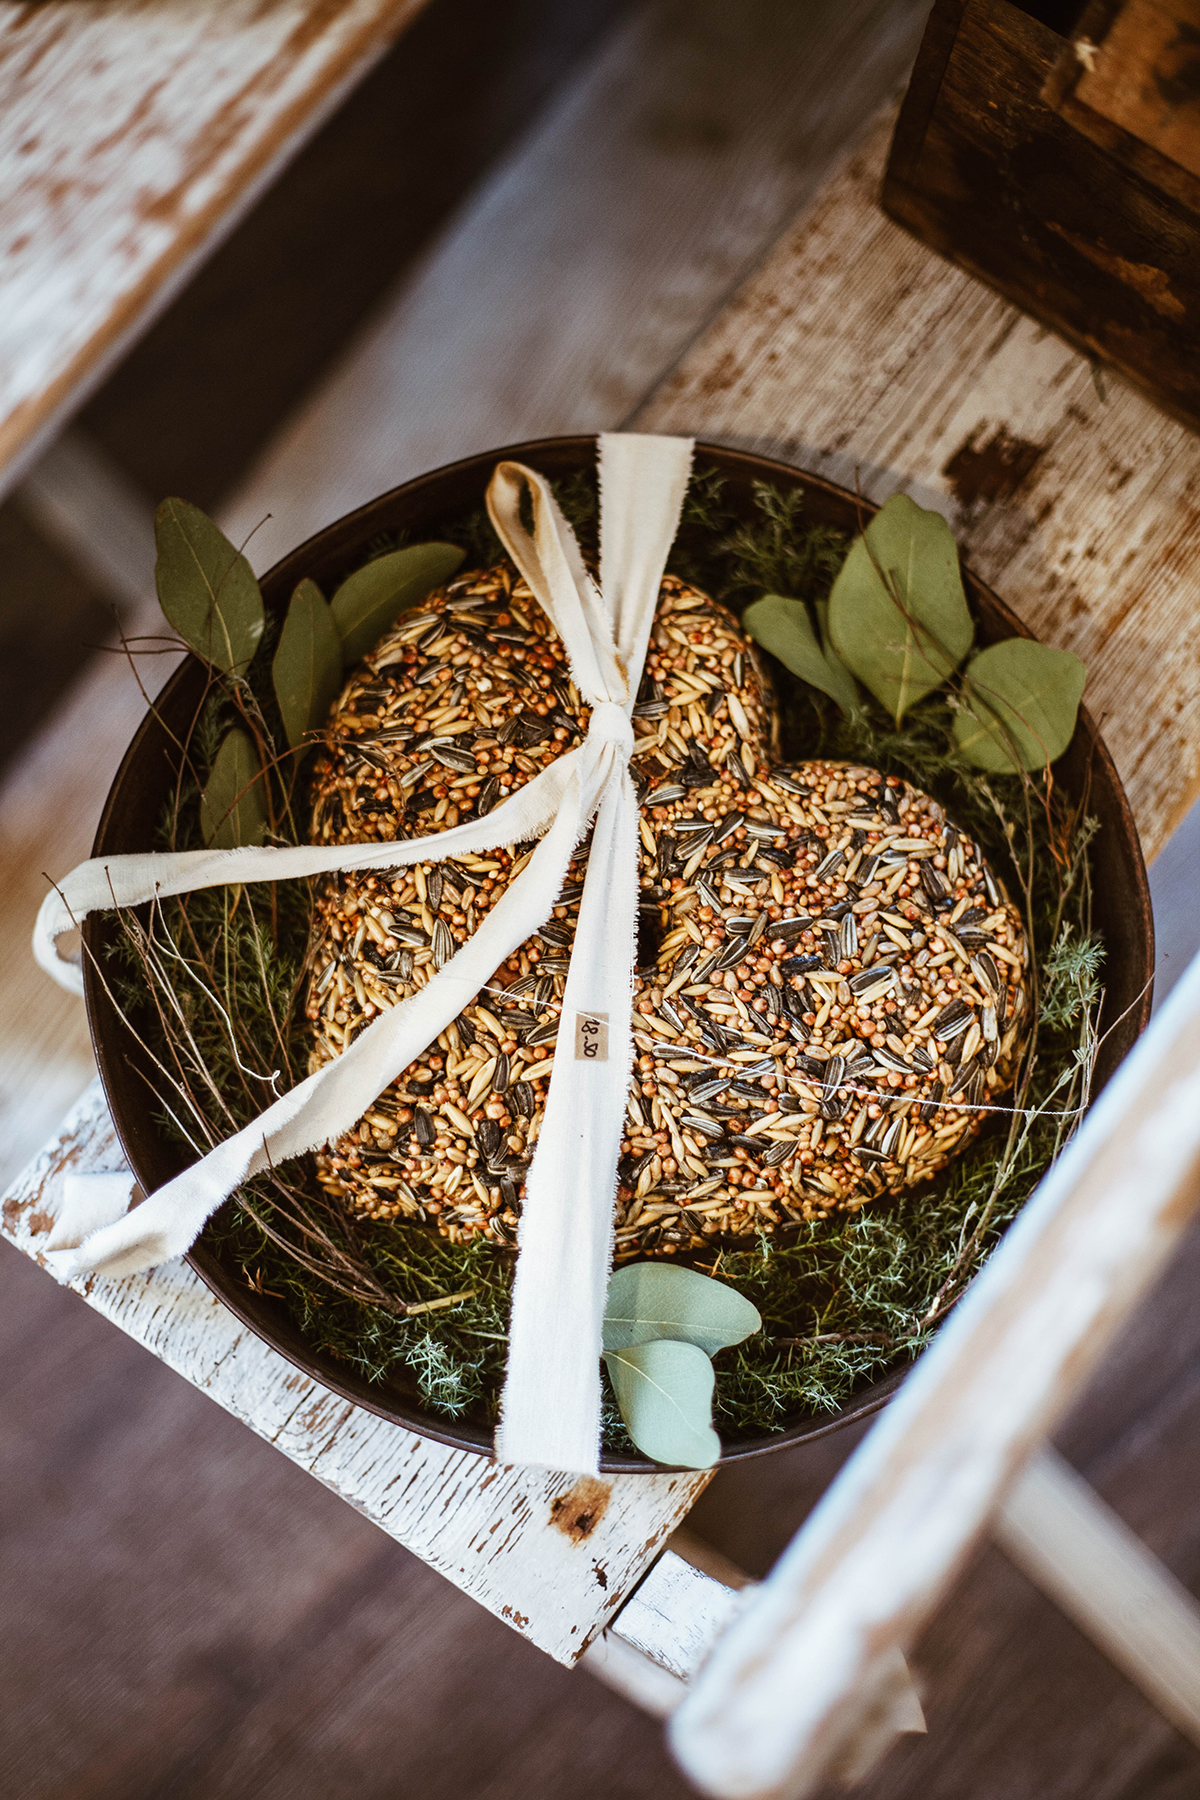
[
  {"x": 951, "y": 1020},
  {"x": 458, "y": 760},
  {"x": 522, "y": 1097},
  {"x": 872, "y": 982},
  {"x": 489, "y": 1136},
  {"x": 709, "y": 1128},
  {"x": 410, "y": 934}
]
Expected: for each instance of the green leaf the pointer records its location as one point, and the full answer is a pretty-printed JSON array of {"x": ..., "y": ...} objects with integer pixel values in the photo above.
[
  {"x": 652, "y": 1300},
  {"x": 897, "y": 613},
  {"x": 206, "y": 588},
  {"x": 784, "y": 628},
  {"x": 307, "y": 670},
  {"x": 1020, "y": 705},
  {"x": 233, "y": 805},
  {"x": 664, "y": 1391},
  {"x": 372, "y": 599}
]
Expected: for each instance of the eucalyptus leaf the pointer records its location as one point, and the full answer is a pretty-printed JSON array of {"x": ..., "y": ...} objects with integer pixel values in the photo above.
[
  {"x": 1021, "y": 702},
  {"x": 233, "y": 806},
  {"x": 307, "y": 670},
  {"x": 784, "y": 628},
  {"x": 372, "y": 599},
  {"x": 206, "y": 588},
  {"x": 651, "y": 1300},
  {"x": 664, "y": 1390},
  {"x": 898, "y": 616}
]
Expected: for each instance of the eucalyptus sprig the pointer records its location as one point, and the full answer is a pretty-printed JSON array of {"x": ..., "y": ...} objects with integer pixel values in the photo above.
[
  {"x": 662, "y": 1326},
  {"x": 209, "y": 595},
  {"x": 897, "y": 621}
]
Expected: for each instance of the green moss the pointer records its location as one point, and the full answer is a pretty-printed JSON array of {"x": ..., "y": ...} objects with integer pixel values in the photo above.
[{"x": 215, "y": 988}]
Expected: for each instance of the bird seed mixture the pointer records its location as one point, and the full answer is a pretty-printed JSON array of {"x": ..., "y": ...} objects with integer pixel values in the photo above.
[{"x": 831, "y": 980}]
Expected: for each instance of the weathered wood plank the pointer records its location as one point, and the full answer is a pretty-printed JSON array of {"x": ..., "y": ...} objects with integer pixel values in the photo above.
[
  {"x": 132, "y": 133},
  {"x": 857, "y": 352},
  {"x": 1083, "y": 234},
  {"x": 552, "y": 1556},
  {"x": 570, "y": 283}
]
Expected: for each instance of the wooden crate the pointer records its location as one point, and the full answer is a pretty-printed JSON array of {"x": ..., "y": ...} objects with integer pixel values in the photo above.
[{"x": 1000, "y": 164}]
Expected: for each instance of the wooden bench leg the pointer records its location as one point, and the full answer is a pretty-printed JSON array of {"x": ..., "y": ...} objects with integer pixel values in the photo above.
[
  {"x": 1052, "y": 1525},
  {"x": 665, "y": 1630},
  {"x": 1071, "y": 1545}
]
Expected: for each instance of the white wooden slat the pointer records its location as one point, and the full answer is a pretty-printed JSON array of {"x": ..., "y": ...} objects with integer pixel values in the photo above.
[
  {"x": 857, "y": 352},
  {"x": 553, "y": 1556},
  {"x": 664, "y": 1633},
  {"x": 1075, "y": 1548},
  {"x": 133, "y": 133},
  {"x": 633, "y": 1675},
  {"x": 781, "y": 1701},
  {"x": 676, "y": 1615}
]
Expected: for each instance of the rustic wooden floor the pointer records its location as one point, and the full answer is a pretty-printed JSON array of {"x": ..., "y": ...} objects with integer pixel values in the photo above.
[{"x": 185, "y": 1614}]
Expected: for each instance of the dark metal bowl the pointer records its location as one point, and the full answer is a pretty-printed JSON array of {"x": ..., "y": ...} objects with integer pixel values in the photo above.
[{"x": 134, "y": 806}]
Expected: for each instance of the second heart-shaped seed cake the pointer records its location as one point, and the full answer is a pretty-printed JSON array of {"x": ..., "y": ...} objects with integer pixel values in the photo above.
[{"x": 831, "y": 981}]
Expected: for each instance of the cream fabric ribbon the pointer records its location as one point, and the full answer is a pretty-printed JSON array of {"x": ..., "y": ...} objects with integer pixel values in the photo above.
[{"x": 551, "y": 1406}]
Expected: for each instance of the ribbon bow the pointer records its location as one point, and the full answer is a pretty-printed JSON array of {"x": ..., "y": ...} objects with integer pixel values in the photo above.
[{"x": 551, "y": 1406}]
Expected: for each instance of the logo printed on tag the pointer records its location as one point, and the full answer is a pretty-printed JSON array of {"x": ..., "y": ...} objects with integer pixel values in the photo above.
[{"x": 591, "y": 1037}]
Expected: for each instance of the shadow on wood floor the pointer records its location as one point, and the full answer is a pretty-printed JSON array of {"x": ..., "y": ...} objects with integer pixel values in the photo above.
[{"x": 186, "y": 1613}]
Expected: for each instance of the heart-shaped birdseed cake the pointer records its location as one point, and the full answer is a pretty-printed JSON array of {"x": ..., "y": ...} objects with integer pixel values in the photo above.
[{"x": 831, "y": 979}]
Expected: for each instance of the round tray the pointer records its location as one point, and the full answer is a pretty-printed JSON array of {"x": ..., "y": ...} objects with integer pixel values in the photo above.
[{"x": 134, "y": 806}]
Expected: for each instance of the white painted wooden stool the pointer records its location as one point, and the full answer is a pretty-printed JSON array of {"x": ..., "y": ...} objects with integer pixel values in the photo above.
[{"x": 807, "y": 1678}]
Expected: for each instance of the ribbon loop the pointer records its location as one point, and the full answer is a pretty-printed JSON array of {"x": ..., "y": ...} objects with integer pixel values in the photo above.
[
  {"x": 551, "y": 563},
  {"x": 551, "y": 1407}
]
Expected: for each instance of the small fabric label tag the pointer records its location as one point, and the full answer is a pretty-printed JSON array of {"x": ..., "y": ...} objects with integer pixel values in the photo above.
[{"x": 591, "y": 1037}]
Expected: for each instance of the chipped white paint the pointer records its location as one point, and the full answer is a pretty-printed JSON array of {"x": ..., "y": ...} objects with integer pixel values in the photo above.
[
  {"x": 855, "y": 349},
  {"x": 505, "y": 1536},
  {"x": 132, "y": 135}
]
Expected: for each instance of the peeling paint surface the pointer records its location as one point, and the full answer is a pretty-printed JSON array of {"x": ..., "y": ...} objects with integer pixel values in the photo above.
[{"x": 508, "y": 1537}]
